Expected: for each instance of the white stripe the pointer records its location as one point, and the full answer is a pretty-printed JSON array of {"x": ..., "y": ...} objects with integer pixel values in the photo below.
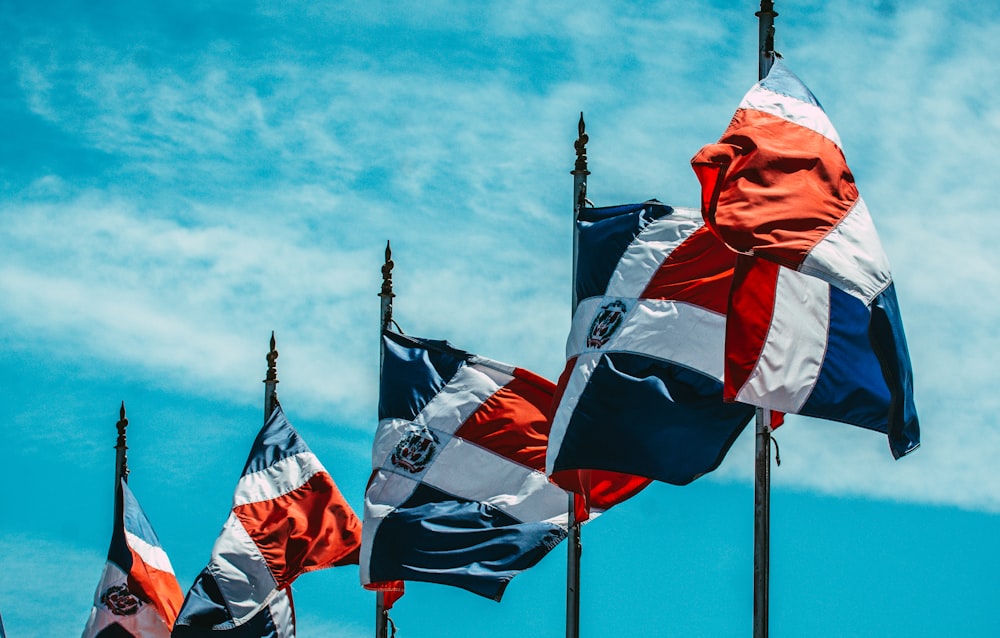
[
  {"x": 792, "y": 109},
  {"x": 649, "y": 249},
  {"x": 240, "y": 571},
  {"x": 471, "y": 472},
  {"x": 681, "y": 333},
  {"x": 287, "y": 475},
  {"x": 465, "y": 470},
  {"x": 281, "y": 613},
  {"x": 444, "y": 413},
  {"x": 851, "y": 256},
  {"x": 578, "y": 380},
  {"x": 152, "y": 555},
  {"x": 793, "y": 352}
]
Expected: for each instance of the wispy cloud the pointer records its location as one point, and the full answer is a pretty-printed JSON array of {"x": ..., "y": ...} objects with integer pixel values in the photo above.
[{"x": 251, "y": 191}]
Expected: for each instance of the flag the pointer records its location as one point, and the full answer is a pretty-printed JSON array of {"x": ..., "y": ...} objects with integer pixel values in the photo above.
[
  {"x": 458, "y": 494},
  {"x": 814, "y": 325},
  {"x": 288, "y": 517},
  {"x": 641, "y": 392},
  {"x": 138, "y": 594},
  {"x": 777, "y": 186}
]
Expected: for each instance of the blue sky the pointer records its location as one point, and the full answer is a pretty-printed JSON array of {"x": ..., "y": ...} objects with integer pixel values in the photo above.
[{"x": 179, "y": 179}]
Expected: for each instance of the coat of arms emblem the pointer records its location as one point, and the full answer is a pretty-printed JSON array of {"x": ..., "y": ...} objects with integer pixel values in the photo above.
[
  {"x": 415, "y": 450},
  {"x": 606, "y": 322},
  {"x": 120, "y": 600}
]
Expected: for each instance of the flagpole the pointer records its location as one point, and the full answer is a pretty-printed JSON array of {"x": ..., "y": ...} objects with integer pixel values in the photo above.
[
  {"x": 271, "y": 381},
  {"x": 121, "y": 462},
  {"x": 575, "y": 543},
  {"x": 762, "y": 457},
  {"x": 385, "y": 320}
]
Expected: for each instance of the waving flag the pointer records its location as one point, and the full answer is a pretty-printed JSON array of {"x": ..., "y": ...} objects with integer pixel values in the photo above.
[
  {"x": 288, "y": 517},
  {"x": 138, "y": 594},
  {"x": 776, "y": 188},
  {"x": 458, "y": 495},
  {"x": 641, "y": 392}
]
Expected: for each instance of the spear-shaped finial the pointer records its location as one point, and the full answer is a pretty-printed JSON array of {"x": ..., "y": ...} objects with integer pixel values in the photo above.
[
  {"x": 121, "y": 458},
  {"x": 581, "y": 148},
  {"x": 271, "y": 381},
  {"x": 387, "y": 294}
]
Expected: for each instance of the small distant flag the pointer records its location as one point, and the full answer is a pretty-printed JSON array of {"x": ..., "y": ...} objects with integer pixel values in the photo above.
[
  {"x": 458, "y": 493},
  {"x": 138, "y": 594},
  {"x": 288, "y": 517},
  {"x": 813, "y": 323}
]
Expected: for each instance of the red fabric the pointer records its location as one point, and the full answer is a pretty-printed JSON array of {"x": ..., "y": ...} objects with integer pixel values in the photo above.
[
  {"x": 699, "y": 271},
  {"x": 773, "y": 188},
  {"x": 309, "y": 528},
  {"x": 157, "y": 587}
]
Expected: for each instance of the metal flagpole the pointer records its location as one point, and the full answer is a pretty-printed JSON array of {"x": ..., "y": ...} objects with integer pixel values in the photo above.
[
  {"x": 385, "y": 320},
  {"x": 121, "y": 463},
  {"x": 575, "y": 544},
  {"x": 762, "y": 457},
  {"x": 271, "y": 381}
]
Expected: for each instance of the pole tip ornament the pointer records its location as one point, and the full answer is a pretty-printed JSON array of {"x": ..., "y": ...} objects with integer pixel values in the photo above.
[
  {"x": 272, "y": 363},
  {"x": 120, "y": 443},
  {"x": 122, "y": 424},
  {"x": 387, "y": 273},
  {"x": 581, "y": 148},
  {"x": 386, "y": 293}
]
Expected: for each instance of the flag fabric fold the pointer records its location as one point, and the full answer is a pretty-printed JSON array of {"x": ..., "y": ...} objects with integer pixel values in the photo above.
[
  {"x": 288, "y": 517},
  {"x": 777, "y": 186},
  {"x": 138, "y": 594},
  {"x": 813, "y": 322},
  {"x": 641, "y": 392},
  {"x": 458, "y": 494}
]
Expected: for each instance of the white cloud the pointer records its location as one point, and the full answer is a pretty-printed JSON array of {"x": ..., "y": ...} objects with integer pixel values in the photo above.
[{"x": 251, "y": 196}]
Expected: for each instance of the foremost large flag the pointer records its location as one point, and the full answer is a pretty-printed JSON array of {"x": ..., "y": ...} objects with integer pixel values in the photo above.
[
  {"x": 288, "y": 517},
  {"x": 458, "y": 493},
  {"x": 641, "y": 392},
  {"x": 814, "y": 324},
  {"x": 138, "y": 594}
]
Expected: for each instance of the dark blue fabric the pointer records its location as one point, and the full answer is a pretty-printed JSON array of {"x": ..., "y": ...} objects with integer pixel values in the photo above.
[
  {"x": 260, "y": 626},
  {"x": 204, "y": 605},
  {"x": 850, "y": 387},
  {"x": 135, "y": 520},
  {"x": 113, "y": 630},
  {"x": 435, "y": 537},
  {"x": 118, "y": 551},
  {"x": 889, "y": 342},
  {"x": 866, "y": 349},
  {"x": 651, "y": 418},
  {"x": 277, "y": 440},
  {"x": 603, "y": 236},
  {"x": 413, "y": 371}
]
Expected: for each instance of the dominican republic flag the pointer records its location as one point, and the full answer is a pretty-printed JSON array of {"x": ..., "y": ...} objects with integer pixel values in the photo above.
[
  {"x": 458, "y": 493},
  {"x": 138, "y": 594},
  {"x": 814, "y": 324},
  {"x": 288, "y": 517},
  {"x": 641, "y": 392}
]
